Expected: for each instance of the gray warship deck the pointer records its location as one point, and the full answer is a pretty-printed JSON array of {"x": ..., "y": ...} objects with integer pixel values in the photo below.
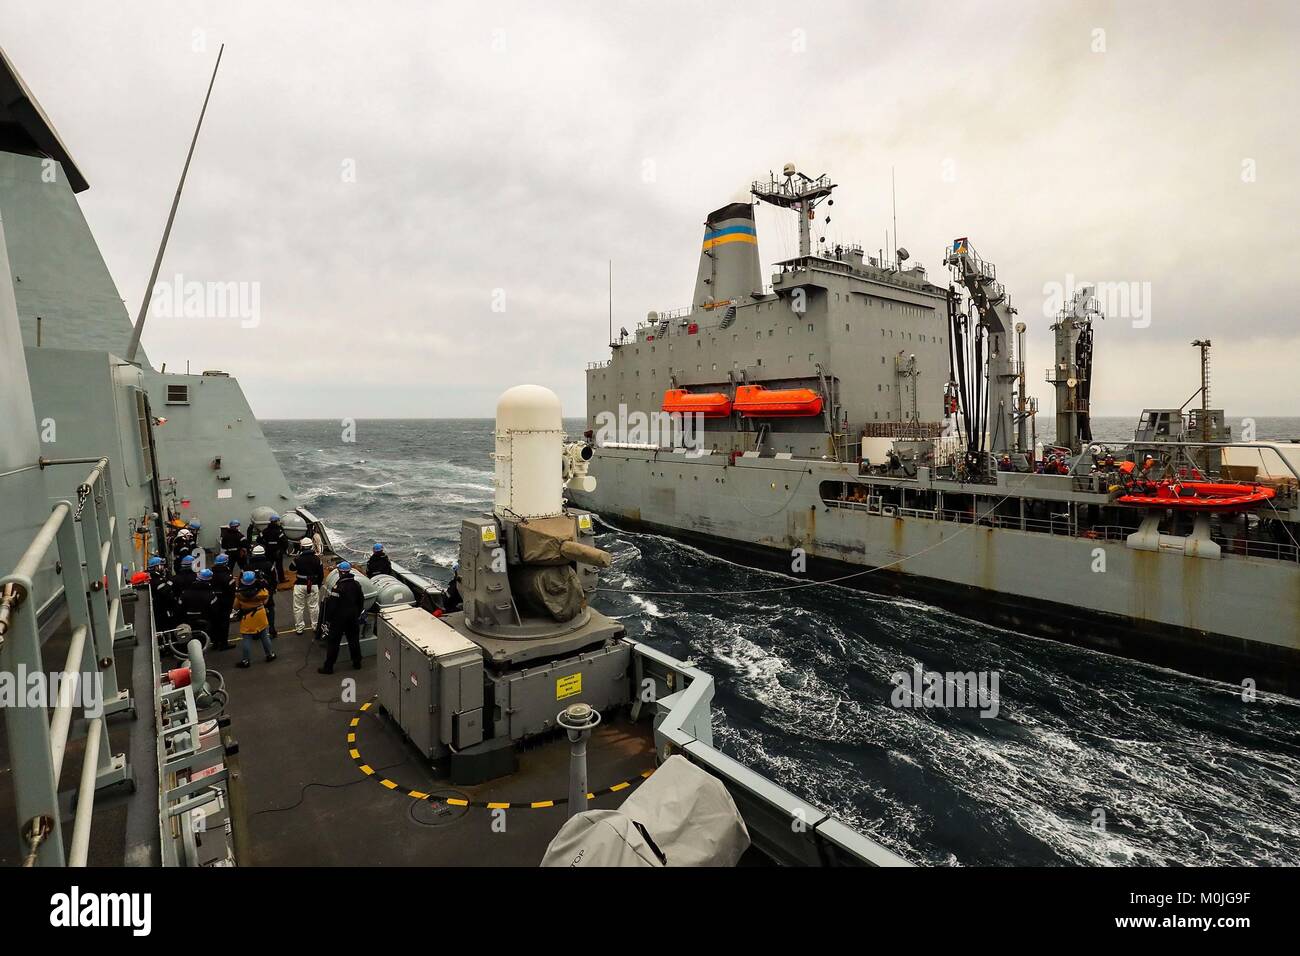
[
  {"x": 329, "y": 782},
  {"x": 313, "y": 797}
]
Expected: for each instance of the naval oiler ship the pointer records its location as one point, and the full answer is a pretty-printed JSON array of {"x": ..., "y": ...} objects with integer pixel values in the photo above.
[
  {"x": 128, "y": 740},
  {"x": 855, "y": 420}
]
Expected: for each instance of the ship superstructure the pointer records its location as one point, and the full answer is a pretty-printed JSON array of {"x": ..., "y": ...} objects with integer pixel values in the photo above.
[{"x": 894, "y": 433}]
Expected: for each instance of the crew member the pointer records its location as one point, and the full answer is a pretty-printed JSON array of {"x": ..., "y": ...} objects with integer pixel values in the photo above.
[
  {"x": 198, "y": 602},
  {"x": 346, "y": 605},
  {"x": 276, "y": 543},
  {"x": 234, "y": 544},
  {"x": 309, "y": 574},
  {"x": 260, "y": 564},
  {"x": 452, "y": 601},
  {"x": 378, "y": 563},
  {"x": 182, "y": 545},
  {"x": 223, "y": 585},
  {"x": 250, "y": 606},
  {"x": 184, "y": 574},
  {"x": 162, "y": 595},
  {"x": 183, "y": 538}
]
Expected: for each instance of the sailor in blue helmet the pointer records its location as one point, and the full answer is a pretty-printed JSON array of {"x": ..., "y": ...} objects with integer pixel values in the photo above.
[
  {"x": 162, "y": 595},
  {"x": 378, "y": 563},
  {"x": 198, "y": 601},
  {"x": 345, "y": 608},
  {"x": 223, "y": 585},
  {"x": 250, "y": 606},
  {"x": 233, "y": 543},
  {"x": 184, "y": 572}
]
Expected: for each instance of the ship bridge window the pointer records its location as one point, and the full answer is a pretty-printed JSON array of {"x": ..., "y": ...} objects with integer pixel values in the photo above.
[{"x": 178, "y": 394}]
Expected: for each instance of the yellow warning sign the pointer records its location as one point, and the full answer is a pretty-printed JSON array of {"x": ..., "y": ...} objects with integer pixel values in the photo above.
[
  {"x": 568, "y": 686},
  {"x": 489, "y": 533},
  {"x": 584, "y": 522}
]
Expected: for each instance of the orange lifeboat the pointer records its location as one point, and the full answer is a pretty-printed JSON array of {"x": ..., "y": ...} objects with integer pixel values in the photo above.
[
  {"x": 708, "y": 404},
  {"x": 1197, "y": 495},
  {"x": 755, "y": 401}
]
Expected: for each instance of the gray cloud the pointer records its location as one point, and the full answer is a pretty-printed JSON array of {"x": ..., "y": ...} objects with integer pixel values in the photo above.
[{"x": 521, "y": 147}]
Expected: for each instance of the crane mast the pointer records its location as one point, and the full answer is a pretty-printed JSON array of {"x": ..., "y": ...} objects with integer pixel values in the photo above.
[{"x": 1005, "y": 423}]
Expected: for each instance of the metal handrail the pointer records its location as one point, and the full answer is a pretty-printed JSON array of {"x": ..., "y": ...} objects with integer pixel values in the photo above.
[{"x": 37, "y": 739}]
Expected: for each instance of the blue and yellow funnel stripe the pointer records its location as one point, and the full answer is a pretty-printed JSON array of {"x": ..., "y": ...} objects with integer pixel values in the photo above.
[{"x": 721, "y": 235}]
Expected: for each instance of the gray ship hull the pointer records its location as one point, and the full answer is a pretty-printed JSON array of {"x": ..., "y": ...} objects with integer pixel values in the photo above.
[{"x": 1231, "y": 617}]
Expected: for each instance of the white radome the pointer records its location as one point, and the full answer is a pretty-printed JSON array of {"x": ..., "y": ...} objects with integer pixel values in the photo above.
[{"x": 529, "y": 453}]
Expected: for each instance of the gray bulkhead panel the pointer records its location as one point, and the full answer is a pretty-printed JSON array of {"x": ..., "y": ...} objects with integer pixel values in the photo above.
[
  {"x": 215, "y": 449},
  {"x": 59, "y": 273}
]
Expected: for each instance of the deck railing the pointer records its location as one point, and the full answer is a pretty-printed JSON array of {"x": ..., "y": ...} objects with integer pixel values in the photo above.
[
  {"x": 85, "y": 540},
  {"x": 785, "y": 827},
  {"x": 1064, "y": 525}
]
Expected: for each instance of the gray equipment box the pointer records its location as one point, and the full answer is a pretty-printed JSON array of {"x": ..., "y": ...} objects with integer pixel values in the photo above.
[
  {"x": 529, "y": 699},
  {"x": 430, "y": 681}
]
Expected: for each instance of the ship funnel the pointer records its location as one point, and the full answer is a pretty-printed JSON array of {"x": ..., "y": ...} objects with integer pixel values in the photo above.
[{"x": 729, "y": 257}]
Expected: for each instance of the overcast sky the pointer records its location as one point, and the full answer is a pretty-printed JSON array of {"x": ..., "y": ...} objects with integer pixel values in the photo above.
[{"x": 387, "y": 172}]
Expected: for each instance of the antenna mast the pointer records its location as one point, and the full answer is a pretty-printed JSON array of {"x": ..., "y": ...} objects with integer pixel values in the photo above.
[
  {"x": 893, "y": 199},
  {"x": 799, "y": 192},
  {"x": 171, "y": 217}
]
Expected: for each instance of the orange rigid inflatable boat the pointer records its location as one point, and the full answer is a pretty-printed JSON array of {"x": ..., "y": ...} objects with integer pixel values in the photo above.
[
  {"x": 1198, "y": 495},
  {"x": 708, "y": 404},
  {"x": 755, "y": 401}
]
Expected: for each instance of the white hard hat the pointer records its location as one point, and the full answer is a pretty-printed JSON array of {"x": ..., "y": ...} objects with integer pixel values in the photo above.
[
  {"x": 258, "y": 549},
  {"x": 307, "y": 543}
]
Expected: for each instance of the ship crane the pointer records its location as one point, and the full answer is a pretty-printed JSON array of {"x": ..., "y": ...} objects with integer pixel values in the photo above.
[
  {"x": 1072, "y": 374},
  {"x": 1005, "y": 422}
]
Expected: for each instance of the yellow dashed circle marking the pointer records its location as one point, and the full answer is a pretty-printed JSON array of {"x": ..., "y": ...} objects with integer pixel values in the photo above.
[{"x": 369, "y": 771}]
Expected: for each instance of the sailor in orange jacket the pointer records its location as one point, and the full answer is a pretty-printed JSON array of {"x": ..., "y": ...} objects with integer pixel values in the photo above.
[{"x": 250, "y": 606}]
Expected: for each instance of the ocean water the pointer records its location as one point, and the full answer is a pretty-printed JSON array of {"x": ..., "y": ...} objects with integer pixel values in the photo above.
[{"x": 1091, "y": 759}]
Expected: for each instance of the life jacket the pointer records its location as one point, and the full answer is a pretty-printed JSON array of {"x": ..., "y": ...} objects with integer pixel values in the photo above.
[{"x": 250, "y": 602}]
